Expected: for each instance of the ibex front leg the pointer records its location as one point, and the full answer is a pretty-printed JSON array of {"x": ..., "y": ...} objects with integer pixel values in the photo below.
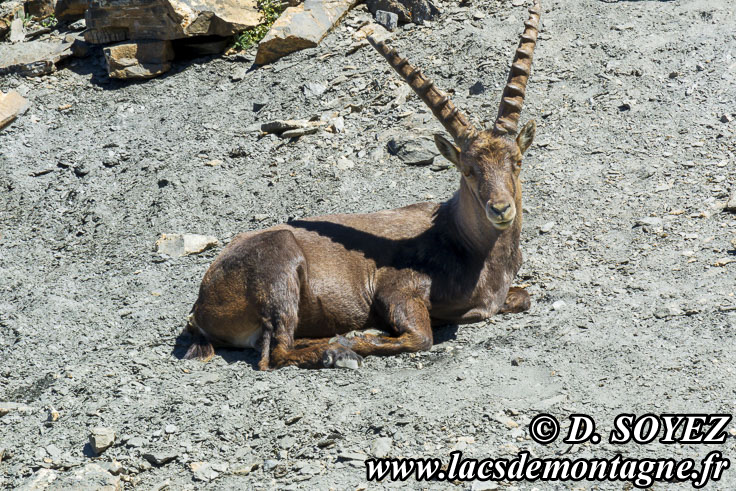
[{"x": 409, "y": 317}]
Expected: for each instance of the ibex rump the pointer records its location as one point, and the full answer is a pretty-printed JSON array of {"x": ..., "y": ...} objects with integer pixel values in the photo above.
[{"x": 293, "y": 289}]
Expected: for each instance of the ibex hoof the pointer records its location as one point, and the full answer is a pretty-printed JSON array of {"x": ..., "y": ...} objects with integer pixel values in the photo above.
[{"x": 341, "y": 357}]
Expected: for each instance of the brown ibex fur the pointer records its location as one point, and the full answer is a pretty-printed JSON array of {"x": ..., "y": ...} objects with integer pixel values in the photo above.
[{"x": 293, "y": 289}]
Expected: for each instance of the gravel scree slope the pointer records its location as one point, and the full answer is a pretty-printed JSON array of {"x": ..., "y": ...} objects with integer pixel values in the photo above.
[{"x": 623, "y": 228}]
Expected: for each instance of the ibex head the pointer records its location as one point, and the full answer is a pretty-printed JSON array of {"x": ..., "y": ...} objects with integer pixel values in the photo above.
[{"x": 489, "y": 160}]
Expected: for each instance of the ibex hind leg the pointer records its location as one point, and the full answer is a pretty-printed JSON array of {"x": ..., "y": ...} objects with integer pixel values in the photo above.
[
  {"x": 517, "y": 300},
  {"x": 278, "y": 307}
]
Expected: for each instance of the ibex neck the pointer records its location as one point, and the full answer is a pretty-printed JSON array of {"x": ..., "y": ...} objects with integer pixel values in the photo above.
[{"x": 476, "y": 232}]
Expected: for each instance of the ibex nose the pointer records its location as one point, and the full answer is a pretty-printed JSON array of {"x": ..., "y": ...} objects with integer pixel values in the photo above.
[
  {"x": 500, "y": 209},
  {"x": 501, "y": 215}
]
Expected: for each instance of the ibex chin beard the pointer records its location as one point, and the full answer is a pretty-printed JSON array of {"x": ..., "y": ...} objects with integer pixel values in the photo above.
[{"x": 501, "y": 225}]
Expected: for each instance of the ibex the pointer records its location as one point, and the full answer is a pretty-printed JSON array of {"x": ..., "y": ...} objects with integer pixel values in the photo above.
[{"x": 292, "y": 290}]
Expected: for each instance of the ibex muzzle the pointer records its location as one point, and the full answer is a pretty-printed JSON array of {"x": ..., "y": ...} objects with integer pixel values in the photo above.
[{"x": 292, "y": 290}]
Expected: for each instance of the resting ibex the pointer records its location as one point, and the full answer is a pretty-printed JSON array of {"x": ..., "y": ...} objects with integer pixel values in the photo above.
[{"x": 293, "y": 289}]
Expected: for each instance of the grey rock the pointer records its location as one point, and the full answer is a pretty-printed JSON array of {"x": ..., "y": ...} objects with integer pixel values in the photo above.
[
  {"x": 160, "y": 458},
  {"x": 559, "y": 305},
  {"x": 346, "y": 455},
  {"x": 381, "y": 447},
  {"x": 110, "y": 21},
  {"x": 41, "y": 479},
  {"x": 389, "y": 20},
  {"x": 34, "y": 58},
  {"x": 78, "y": 25},
  {"x": 547, "y": 227},
  {"x": 338, "y": 124},
  {"x": 731, "y": 203},
  {"x": 203, "y": 471},
  {"x": 314, "y": 89},
  {"x": 645, "y": 172},
  {"x": 413, "y": 150},
  {"x": 477, "y": 88},
  {"x": 136, "y": 442},
  {"x": 416, "y": 11},
  {"x": 295, "y": 127},
  {"x": 138, "y": 59},
  {"x": 345, "y": 163},
  {"x": 91, "y": 476},
  {"x": 178, "y": 245},
  {"x": 17, "y": 31},
  {"x": 649, "y": 222},
  {"x": 101, "y": 438},
  {"x": 239, "y": 74},
  {"x": 114, "y": 467},
  {"x": 484, "y": 486},
  {"x": 53, "y": 451},
  {"x": 301, "y": 26}
]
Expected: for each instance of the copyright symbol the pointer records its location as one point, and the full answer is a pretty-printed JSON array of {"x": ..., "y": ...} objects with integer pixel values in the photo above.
[{"x": 544, "y": 428}]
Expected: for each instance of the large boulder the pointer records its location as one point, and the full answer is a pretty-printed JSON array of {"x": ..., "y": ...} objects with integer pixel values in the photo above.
[
  {"x": 70, "y": 10},
  {"x": 139, "y": 59},
  {"x": 301, "y": 27},
  {"x": 120, "y": 20}
]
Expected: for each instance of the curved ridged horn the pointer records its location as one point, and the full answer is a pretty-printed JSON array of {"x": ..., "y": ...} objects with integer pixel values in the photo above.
[
  {"x": 513, "y": 95},
  {"x": 442, "y": 107}
]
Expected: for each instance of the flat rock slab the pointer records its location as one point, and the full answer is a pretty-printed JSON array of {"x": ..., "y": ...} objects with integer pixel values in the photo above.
[
  {"x": 9, "y": 407},
  {"x": 89, "y": 477},
  {"x": 139, "y": 59},
  {"x": 291, "y": 128},
  {"x": 177, "y": 245},
  {"x": 413, "y": 151},
  {"x": 33, "y": 58},
  {"x": 119, "y": 20},
  {"x": 301, "y": 27},
  {"x": 12, "y": 104}
]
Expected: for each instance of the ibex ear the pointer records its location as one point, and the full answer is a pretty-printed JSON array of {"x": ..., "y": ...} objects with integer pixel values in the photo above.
[
  {"x": 526, "y": 136},
  {"x": 447, "y": 149}
]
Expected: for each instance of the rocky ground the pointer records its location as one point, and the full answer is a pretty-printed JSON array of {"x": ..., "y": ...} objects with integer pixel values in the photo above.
[{"x": 628, "y": 251}]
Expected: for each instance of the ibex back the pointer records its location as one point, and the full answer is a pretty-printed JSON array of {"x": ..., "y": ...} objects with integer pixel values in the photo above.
[{"x": 293, "y": 289}]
